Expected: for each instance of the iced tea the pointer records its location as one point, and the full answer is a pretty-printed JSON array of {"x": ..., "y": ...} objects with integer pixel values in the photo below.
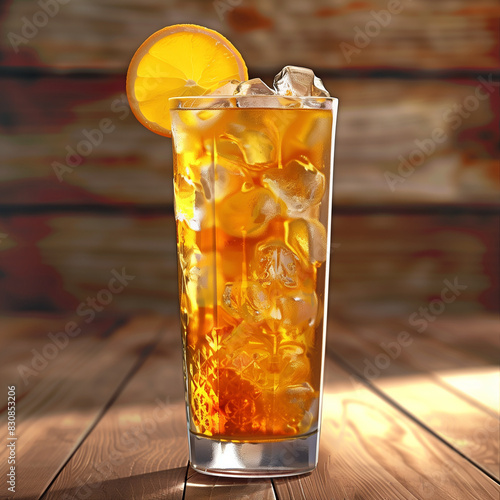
[{"x": 252, "y": 203}]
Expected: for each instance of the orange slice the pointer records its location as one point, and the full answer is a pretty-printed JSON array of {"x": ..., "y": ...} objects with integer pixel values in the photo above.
[{"x": 179, "y": 60}]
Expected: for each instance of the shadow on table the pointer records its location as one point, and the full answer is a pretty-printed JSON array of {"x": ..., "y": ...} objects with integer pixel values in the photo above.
[{"x": 167, "y": 483}]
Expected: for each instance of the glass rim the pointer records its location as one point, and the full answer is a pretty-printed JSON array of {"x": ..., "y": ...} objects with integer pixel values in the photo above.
[{"x": 192, "y": 101}]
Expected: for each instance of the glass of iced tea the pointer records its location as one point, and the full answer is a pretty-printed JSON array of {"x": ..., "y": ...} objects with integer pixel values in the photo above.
[{"x": 253, "y": 201}]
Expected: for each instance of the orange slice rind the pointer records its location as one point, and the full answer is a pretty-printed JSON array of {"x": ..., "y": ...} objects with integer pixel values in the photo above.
[{"x": 176, "y": 61}]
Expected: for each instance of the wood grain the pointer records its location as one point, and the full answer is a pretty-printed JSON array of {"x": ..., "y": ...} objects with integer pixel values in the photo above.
[
  {"x": 386, "y": 265},
  {"x": 59, "y": 262},
  {"x": 382, "y": 123},
  {"x": 382, "y": 264},
  {"x": 139, "y": 448},
  {"x": 407, "y": 378},
  {"x": 477, "y": 336},
  {"x": 369, "y": 450},
  {"x": 18, "y": 332},
  {"x": 474, "y": 373},
  {"x": 31, "y": 347},
  {"x": 105, "y": 34},
  {"x": 474, "y": 334},
  {"x": 61, "y": 403},
  {"x": 73, "y": 140}
]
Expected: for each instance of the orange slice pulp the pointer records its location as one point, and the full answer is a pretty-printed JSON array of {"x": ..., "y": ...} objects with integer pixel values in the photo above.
[{"x": 179, "y": 60}]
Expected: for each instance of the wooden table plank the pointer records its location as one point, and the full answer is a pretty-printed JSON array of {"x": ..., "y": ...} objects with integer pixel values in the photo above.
[
  {"x": 477, "y": 337},
  {"x": 21, "y": 337},
  {"x": 474, "y": 334},
  {"x": 472, "y": 370},
  {"x": 148, "y": 455},
  {"x": 479, "y": 384},
  {"x": 59, "y": 405},
  {"x": 370, "y": 450},
  {"x": 138, "y": 450},
  {"x": 347, "y": 458},
  {"x": 475, "y": 433}
]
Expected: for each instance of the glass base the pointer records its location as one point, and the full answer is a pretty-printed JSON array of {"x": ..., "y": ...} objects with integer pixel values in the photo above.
[{"x": 284, "y": 457}]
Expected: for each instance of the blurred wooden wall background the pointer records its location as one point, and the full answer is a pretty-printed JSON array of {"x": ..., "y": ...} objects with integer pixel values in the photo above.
[{"x": 417, "y": 186}]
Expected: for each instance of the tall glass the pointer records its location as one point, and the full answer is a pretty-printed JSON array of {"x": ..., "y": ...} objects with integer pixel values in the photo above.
[{"x": 253, "y": 200}]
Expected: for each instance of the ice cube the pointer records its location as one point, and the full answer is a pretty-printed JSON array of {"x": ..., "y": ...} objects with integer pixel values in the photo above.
[
  {"x": 300, "y": 185},
  {"x": 257, "y": 303},
  {"x": 191, "y": 260},
  {"x": 248, "y": 213},
  {"x": 252, "y": 145},
  {"x": 207, "y": 181},
  {"x": 255, "y": 86},
  {"x": 221, "y": 179},
  {"x": 295, "y": 365},
  {"x": 198, "y": 281},
  {"x": 229, "y": 179},
  {"x": 246, "y": 300},
  {"x": 275, "y": 263},
  {"x": 307, "y": 239},
  {"x": 259, "y": 150},
  {"x": 227, "y": 148},
  {"x": 191, "y": 203},
  {"x": 298, "y": 310},
  {"x": 227, "y": 89},
  {"x": 297, "y": 81},
  {"x": 250, "y": 148},
  {"x": 231, "y": 298},
  {"x": 277, "y": 268},
  {"x": 196, "y": 278},
  {"x": 256, "y": 94},
  {"x": 302, "y": 393}
]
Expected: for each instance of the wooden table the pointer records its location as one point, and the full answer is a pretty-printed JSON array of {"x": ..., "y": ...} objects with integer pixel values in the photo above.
[{"x": 100, "y": 412}]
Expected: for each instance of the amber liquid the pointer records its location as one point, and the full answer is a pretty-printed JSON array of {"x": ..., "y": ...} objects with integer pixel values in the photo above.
[{"x": 252, "y": 210}]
